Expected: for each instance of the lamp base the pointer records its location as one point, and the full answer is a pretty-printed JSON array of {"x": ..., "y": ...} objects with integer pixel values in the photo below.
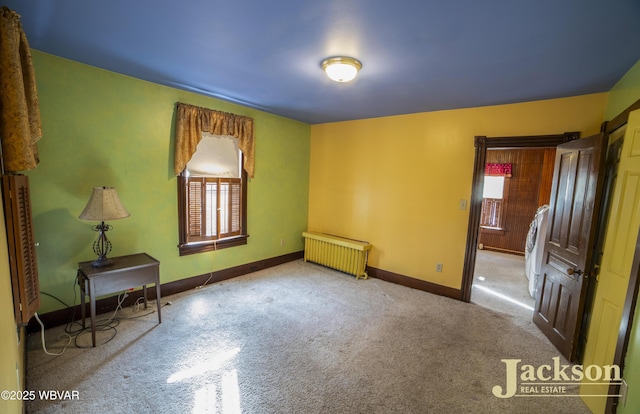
[
  {"x": 102, "y": 246},
  {"x": 102, "y": 262}
]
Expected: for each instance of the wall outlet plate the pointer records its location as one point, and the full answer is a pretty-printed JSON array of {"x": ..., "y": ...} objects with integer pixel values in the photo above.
[
  {"x": 623, "y": 392},
  {"x": 438, "y": 267}
]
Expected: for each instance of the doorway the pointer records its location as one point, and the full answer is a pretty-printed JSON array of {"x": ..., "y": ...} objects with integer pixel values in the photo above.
[
  {"x": 567, "y": 264},
  {"x": 482, "y": 144},
  {"x": 523, "y": 178},
  {"x": 504, "y": 278}
]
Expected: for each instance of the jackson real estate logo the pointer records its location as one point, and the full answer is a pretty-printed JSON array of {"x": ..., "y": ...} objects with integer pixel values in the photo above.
[{"x": 555, "y": 379}]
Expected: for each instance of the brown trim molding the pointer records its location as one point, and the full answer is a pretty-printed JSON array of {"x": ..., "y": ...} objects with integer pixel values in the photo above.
[
  {"x": 497, "y": 249},
  {"x": 414, "y": 283},
  {"x": 63, "y": 316},
  {"x": 482, "y": 143},
  {"x": 209, "y": 246},
  {"x": 621, "y": 118}
]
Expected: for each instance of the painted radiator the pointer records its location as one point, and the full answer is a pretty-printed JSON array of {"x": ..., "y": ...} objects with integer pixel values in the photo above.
[{"x": 346, "y": 255}]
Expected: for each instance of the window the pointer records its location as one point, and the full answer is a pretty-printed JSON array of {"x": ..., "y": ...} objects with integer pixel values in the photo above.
[
  {"x": 213, "y": 208},
  {"x": 210, "y": 147},
  {"x": 493, "y": 202},
  {"x": 212, "y": 197}
]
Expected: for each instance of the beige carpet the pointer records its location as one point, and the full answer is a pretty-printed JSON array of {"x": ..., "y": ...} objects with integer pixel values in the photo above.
[
  {"x": 297, "y": 338},
  {"x": 500, "y": 284}
]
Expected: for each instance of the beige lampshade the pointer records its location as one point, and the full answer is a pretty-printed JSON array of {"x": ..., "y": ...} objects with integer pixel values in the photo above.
[{"x": 103, "y": 205}]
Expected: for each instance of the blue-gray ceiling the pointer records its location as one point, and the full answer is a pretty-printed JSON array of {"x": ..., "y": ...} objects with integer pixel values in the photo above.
[{"x": 417, "y": 56}]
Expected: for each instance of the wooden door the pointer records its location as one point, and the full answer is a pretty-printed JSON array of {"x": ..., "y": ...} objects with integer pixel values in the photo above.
[
  {"x": 573, "y": 213},
  {"x": 617, "y": 260}
]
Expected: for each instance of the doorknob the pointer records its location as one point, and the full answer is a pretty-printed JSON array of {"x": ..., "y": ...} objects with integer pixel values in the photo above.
[{"x": 572, "y": 272}]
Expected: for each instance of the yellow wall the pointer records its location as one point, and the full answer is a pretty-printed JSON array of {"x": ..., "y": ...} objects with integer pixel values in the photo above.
[
  {"x": 11, "y": 353},
  {"x": 397, "y": 181}
]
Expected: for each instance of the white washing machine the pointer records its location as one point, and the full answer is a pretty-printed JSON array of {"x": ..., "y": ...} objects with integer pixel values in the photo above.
[{"x": 534, "y": 248}]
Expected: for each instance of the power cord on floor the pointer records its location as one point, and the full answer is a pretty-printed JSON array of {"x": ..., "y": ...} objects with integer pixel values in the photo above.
[
  {"x": 72, "y": 321},
  {"x": 44, "y": 346},
  {"x": 101, "y": 325},
  {"x": 105, "y": 324},
  {"x": 206, "y": 281},
  {"x": 215, "y": 253}
]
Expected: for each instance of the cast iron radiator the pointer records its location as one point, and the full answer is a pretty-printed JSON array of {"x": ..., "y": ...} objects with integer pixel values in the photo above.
[{"x": 345, "y": 255}]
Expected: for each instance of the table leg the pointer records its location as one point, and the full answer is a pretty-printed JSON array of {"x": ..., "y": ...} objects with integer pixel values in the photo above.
[
  {"x": 158, "y": 300},
  {"x": 92, "y": 299},
  {"x": 83, "y": 309}
]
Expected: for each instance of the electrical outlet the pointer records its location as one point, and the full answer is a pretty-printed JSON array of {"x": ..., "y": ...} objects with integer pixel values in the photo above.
[
  {"x": 623, "y": 392},
  {"x": 281, "y": 242},
  {"x": 438, "y": 267},
  {"x": 463, "y": 204}
]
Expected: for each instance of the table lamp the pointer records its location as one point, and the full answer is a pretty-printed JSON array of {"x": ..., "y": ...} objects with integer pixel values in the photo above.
[{"x": 103, "y": 204}]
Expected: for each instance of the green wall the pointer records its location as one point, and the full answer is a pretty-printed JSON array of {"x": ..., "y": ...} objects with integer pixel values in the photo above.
[
  {"x": 632, "y": 370},
  {"x": 624, "y": 93},
  {"x": 105, "y": 129}
]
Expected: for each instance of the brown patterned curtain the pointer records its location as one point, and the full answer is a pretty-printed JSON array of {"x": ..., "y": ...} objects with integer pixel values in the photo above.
[
  {"x": 20, "y": 127},
  {"x": 192, "y": 121}
]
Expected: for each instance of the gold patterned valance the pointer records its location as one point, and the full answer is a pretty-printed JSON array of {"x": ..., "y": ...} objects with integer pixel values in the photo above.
[
  {"x": 20, "y": 126},
  {"x": 192, "y": 121}
]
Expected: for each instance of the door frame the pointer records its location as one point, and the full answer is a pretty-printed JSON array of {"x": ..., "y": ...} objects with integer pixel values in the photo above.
[{"x": 482, "y": 143}]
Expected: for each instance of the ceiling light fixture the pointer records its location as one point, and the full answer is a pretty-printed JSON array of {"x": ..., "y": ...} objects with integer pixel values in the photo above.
[{"x": 341, "y": 68}]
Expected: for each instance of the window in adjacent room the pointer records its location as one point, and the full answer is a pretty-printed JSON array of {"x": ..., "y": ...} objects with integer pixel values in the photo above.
[
  {"x": 212, "y": 196},
  {"x": 492, "y": 200},
  {"x": 494, "y": 195}
]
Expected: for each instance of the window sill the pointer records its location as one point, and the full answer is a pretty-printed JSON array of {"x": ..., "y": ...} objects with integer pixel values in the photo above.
[
  {"x": 492, "y": 230},
  {"x": 209, "y": 246}
]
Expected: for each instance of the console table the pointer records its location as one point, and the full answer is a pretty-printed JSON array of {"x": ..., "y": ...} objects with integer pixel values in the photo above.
[{"x": 126, "y": 272}]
